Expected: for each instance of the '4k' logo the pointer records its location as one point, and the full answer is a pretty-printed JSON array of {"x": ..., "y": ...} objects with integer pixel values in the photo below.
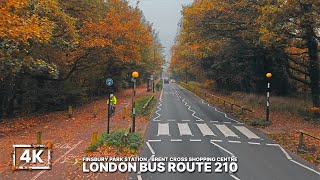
[{"x": 31, "y": 157}]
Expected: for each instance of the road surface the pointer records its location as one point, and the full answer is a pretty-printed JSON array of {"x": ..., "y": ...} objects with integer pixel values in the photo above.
[{"x": 184, "y": 125}]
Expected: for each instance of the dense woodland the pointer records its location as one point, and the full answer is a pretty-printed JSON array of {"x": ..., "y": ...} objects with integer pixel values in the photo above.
[
  {"x": 54, "y": 53},
  {"x": 234, "y": 43}
]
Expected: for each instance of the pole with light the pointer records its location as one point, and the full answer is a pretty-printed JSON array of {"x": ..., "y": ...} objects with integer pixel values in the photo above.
[
  {"x": 135, "y": 75},
  {"x": 268, "y": 75}
]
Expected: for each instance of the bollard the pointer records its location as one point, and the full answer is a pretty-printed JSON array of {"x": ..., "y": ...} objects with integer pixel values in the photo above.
[
  {"x": 124, "y": 140},
  {"x": 39, "y": 137},
  {"x": 124, "y": 113},
  {"x": 94, "y": 111},
  {"x": 224, "y": 103},
  {"x": 231, "y": 106},
  {"x": 94, "y": 138},
  {"x": 70, "y": 111},
  {"x": 300, "y": 145},
  {"x": 205, "y": 94},
  {"x": 242, "y": 110}
]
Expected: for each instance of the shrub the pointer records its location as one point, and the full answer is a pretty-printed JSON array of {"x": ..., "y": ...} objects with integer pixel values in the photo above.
[{"x": 260, "y": 122}]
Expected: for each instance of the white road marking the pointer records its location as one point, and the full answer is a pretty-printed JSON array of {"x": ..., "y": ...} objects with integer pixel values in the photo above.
[
  {"x": 216, "y": 140},
  {"x": 234, "y": 177},
  {"x": 214, "y": 121},
  {"x": 139, "y": 177},
  {"x": 247, "y": 132},
  {"x": 184, "y": 129},
  {"x": 305, "y": 166},
  {"x": 195, "y": 140},
  {"x": 163, "y": 129},
  {"x": 226, "y": 131},
  {"x": 171, "y": 120},
  {"x": 234, "y": 141},
  {"x": 176, "y": 140},
  {"x": 231, "y": 154},
  {"x": 205, "y": 130},
  {"x": 272, "y": 144},
  {"x": 185, "y": 120},
  {"x": 227, "y": 122},
  {"x": 42, "y": 172},
  {"x": 254, "y": 143},
  {"x": 285, "y": 153},
  {"x": 154, "y": 140},
  {"x": 148, "y": 144}
]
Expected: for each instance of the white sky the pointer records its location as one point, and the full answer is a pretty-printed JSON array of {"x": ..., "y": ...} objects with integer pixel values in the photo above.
[{"x": 165, "y": 16}]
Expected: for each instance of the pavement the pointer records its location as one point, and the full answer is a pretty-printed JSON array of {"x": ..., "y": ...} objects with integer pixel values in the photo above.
[{"x": 184, "y": 125}]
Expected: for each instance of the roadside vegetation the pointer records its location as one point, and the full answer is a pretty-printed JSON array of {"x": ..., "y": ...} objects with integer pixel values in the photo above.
[{"x": 57, "y": 53}]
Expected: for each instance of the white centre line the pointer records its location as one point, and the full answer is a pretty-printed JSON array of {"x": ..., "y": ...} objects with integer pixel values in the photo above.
[
  {"x": 247, "y": 132},
  {"x": 184, "y": 129},
  {"x": 254, "y": 143},
  {"x": 234, "y": 141},
  {"x": 216, "y": 140},
  {"x": 163, "y": 129},
  {"x": 176, "y": 140},
  {"x": 198, "y": 140},
  {"x": 226, "y": 131},
  {"x": 185, "y": 120},
  {"x": 205, "y": 130}
]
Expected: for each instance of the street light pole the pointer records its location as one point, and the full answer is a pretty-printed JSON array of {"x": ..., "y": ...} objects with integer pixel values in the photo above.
[
  {"x": 268, "y": 75},
  {"x": 154, "y": 61},
  {"x": 135, "y": 75}
]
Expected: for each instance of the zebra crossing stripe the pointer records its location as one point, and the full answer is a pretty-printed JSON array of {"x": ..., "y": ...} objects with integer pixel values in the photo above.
[
  {"x": 205, "y": 130},
  {"x": 226, "y": 131},
  {"x": 247, "y": 132},
  {"x": 184, "y": 129},
  {"x": 163, "y": 129}
]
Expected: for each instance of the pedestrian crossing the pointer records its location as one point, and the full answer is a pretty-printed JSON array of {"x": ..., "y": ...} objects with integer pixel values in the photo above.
[{"x": 191, "y": 129}]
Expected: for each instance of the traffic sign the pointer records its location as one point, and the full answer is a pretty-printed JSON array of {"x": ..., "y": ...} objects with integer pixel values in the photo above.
[{"x": 109, "y": 82}]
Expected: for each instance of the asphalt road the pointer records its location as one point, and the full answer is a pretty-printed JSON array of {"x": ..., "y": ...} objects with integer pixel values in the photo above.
[{"x": 184, "y": 125}]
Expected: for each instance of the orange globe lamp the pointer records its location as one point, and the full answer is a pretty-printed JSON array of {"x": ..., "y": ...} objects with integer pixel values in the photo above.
[
  {"x": 135, "y": 74},
  {"x": 268, "y": 75}
]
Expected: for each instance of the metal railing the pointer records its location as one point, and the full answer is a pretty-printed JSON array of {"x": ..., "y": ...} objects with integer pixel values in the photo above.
[{"x": 301, "y": 144}]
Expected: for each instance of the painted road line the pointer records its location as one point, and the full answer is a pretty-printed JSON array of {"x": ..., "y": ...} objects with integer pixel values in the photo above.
[
  {"x": 254, "y": 143},
  {"x": 305, "y": 166},
  {"x": 139, "y": 177},
  {"x": 195, "y": 140},
  {"x": 176, "y": 140},
  {"x": 171, "y": 120},
  {"x": 184, "y": 129},
  {"x": 272, "y": 144},
  {"x": 226, "y": 131},
  {"x": 205, "y": 130},
  {"x": 285, "y": 153},
  {"x": 234, "y": 141},
  {"x": 228, "y": 122},
  {"x": 185, "y": 120},
  {"x": 214, "y": 121},
  {"x": 154, "y": 140},
  {"x": 247, "y": 132},
  {"x": 148, "y": 144},
  {"x": 163, "y": 129},
  {"x": 234, "y": 177},
  {"x": 231, "y": 154},
  {"x": 216, "y": 140}
]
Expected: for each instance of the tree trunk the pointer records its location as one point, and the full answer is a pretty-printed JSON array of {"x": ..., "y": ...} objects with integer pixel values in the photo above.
[{"x": 313, "y": 67}]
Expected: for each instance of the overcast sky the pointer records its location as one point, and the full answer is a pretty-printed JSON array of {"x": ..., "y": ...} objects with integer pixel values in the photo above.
[{"x": 165, "y": 16}]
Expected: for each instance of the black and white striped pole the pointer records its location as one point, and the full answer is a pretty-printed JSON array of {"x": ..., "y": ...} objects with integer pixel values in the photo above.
[{"x": 268, "y": 75}]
